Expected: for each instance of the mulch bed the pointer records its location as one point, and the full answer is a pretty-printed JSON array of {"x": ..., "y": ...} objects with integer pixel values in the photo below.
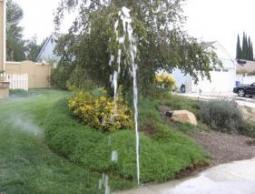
[{"x": 225, "y": 148}]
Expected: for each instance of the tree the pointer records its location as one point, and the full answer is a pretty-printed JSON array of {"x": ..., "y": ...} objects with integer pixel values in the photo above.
[
  {"x": 244, "y": 46},
  {"x": 33, "y": 49},
  {"x": 15, "y": 43},
  {"x": 250, "y": 50},
  {"x": 161, "y": 43},
  {"x": 238, "y": 48},
  {"x": 246, "y": 51}
]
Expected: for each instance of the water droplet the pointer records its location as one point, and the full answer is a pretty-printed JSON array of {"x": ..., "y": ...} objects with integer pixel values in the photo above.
[{"x": 114, "y": 156}]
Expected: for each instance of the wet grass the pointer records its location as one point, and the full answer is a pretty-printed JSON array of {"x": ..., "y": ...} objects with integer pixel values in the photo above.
[
  {"x": 27, "y": 165},
  {"x": 164, "y": 152}
]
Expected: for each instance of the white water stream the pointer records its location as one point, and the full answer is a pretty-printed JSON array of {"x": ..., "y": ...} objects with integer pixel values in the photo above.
[{"x": 128, "y": 35}]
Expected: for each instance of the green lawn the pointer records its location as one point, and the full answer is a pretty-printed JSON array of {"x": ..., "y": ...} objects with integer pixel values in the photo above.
[{"x": 27, "y": 165}]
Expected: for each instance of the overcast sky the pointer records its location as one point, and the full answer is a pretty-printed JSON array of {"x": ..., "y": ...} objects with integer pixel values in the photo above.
[{"x": 208, "y": 20}]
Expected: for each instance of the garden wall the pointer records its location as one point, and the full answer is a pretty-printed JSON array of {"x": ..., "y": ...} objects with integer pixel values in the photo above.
[
  {"x": 4, "y": 89},
  {"x": 38, "y": 73}
]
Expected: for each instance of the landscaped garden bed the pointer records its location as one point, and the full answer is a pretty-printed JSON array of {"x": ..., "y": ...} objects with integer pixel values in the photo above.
[
  {"x": 163, "y": 154},
  {"x": 81, "y": 154}
]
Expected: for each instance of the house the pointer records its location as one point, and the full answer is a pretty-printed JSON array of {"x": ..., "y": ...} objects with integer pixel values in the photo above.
[
  {"x": 223, "y": 77},
  {"x": 47, "y": 54},
  {"x": 18, "y": 75},
  {"x": 245, "y": 71}
]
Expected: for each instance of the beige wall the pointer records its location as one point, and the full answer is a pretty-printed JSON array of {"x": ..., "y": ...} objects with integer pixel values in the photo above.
[
  {"x": 38, "y": 74},
  {"x": 4, "y": 89},
  {"x": 2, "y": 34}
]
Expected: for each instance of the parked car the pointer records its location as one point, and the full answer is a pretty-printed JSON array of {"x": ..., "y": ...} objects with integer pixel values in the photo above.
[{"x": 245, "y": 90}]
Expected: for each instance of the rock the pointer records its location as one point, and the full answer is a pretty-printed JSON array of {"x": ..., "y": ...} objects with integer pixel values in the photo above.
[{"x": 184, "y": 116}]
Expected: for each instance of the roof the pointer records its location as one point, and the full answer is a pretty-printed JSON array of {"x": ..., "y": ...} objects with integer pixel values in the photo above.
[
  {"x": 244, "y": 66},
  {"x": 47, "y": 51},
  {"x": 44, "y": 47}
]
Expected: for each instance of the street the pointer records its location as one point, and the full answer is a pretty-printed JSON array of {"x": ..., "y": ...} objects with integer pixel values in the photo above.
[{"x": 241, "y": 101}]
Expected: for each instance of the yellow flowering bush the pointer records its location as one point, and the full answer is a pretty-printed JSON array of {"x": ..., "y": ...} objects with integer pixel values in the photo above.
[
  {"x": 165, "y": 80},
  {"x": 101, "y": 112}
]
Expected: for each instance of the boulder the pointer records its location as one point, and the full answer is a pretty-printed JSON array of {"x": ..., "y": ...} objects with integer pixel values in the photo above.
[{"x": 184, "y": 116}]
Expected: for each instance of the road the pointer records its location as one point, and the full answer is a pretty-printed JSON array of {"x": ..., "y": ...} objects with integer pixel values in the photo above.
[
  {"x": 242, "y": 101},
  {"x": 249, "y": 102}
]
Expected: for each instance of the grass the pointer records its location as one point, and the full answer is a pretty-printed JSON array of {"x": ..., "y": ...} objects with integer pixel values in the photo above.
[
  {"x": 180, "y": 103},
  {"x": 164, "y": 153},
  {"x": 81, "y": 154},
  {"x": 26, "y": 163}
]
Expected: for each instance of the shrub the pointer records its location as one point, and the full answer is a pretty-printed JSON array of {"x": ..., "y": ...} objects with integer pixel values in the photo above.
[
  {"x": 19, "y": 93},
  {"x": 248, "y": 129},
  {"x": 222, "y": 115},
  {"x": 100, "y": 112},
  {"x": 61, "y": 75},
  {"x": 165, "y": 80}
]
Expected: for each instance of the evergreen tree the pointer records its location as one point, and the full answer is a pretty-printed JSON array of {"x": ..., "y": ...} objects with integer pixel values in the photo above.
[
  {"x": 238, "y": 48},
  {"x": 244, "y": 47},
  {"x": 251, "y": 50},
  {"x": 246, "y": 50},
  {"x": 250, "y": 46}
]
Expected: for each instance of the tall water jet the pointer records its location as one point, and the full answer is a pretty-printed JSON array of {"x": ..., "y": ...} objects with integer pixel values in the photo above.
[{"x": 131, "y": 51}]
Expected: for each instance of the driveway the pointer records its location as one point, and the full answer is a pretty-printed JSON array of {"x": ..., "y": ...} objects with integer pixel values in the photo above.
[{"x": 235, "y": 178}]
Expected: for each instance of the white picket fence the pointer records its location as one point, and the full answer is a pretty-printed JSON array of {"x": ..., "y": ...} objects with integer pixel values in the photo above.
[{"x": 18, "y": 81}]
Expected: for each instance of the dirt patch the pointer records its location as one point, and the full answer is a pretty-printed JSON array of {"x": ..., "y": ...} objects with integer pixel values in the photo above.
[{"x": 224, "y": 148}]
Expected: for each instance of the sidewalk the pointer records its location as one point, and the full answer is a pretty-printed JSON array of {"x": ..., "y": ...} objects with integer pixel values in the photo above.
[{"x": 233, "y": 178}]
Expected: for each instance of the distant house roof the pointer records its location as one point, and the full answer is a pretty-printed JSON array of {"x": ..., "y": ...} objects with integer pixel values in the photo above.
[
  {"x": 245, "y": 67},
  {"x": 47, "y": 51}
]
